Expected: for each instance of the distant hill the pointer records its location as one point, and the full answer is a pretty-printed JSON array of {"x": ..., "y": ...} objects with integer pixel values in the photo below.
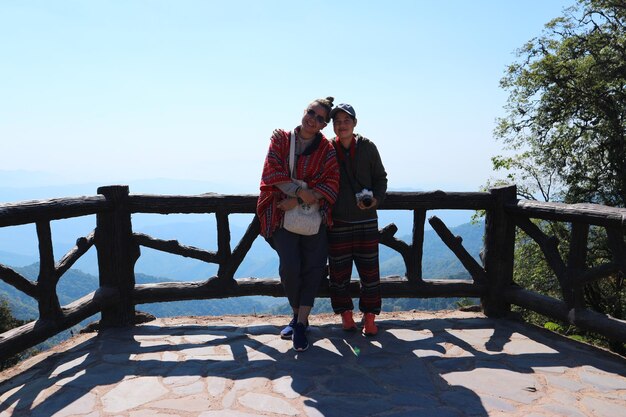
[
  {"x": 75, "y": 284},
  {"x": 19, "y": 249},
  {"x": 438, "y": 262},
  {"x": 261, "y": 262}
]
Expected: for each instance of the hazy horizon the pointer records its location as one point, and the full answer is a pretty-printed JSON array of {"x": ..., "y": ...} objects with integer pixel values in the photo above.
[{"x": 124, "y": 91}]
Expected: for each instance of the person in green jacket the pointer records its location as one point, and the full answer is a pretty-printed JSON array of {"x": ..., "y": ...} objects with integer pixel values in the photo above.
[{"x": 354, "y": 235}]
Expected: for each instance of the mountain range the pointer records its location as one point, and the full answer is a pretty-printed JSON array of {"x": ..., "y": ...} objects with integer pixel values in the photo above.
[
  {"x": 19, "y": 247},
  {"x": 261, "y": 262}
]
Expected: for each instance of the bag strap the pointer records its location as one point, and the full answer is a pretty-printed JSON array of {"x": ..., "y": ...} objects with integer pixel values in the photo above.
[{"x": 292, "y": 153}]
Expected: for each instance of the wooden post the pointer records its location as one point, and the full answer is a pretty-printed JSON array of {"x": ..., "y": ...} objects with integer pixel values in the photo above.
[
  {"x": 577, "y": 259},
  {"x": 48, "y": 301},
  {"x": 414, "y": 268},
  {"x": 499, "y": 252},
  {"x": 223, "y": 241},
  {"x": 117, "y": 254}
]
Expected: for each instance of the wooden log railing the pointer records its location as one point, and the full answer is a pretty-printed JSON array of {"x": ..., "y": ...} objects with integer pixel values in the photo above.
[
  {"x": 118, "y": 248},
  {"x": 572, "y": 274}
]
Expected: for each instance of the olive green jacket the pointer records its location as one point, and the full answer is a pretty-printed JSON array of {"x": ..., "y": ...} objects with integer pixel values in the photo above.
[{"x": 368, "y": 172}]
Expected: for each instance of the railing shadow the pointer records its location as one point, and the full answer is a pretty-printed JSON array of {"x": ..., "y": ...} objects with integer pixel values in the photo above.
[{"x": 430, "y": 367}]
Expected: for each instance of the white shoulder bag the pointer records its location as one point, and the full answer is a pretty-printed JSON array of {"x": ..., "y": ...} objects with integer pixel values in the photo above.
[{"x": 303, "y": 219}]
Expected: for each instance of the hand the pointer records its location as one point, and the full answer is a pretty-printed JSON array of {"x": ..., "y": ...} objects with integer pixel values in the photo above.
[
  {"x": 276, "y": 134},
  {"x": 307, "y": 196},
  {"x": 371, "y": 206},
  {"x": 287, "y": 203}
]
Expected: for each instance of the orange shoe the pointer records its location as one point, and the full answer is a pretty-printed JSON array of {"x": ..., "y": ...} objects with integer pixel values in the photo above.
[
  {"x": 347, "y": 322},
  {"x": 369, "y": 327}
]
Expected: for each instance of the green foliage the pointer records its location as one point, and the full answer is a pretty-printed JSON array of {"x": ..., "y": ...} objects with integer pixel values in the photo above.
[
  {"x": 565, "y": 131},
  {"x": 467, "y": 302},
  {"x": 566, "y": 112},
  {"x": 552, "y": 326},
  {"x": 8, "y": 322}
]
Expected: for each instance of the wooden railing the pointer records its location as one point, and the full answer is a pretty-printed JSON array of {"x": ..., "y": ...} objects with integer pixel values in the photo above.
[{"x": 118, "y": 248}]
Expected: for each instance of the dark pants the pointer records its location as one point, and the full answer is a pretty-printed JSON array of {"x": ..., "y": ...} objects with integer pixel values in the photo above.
[
  {"x": 358, "y": 243},
  {"x": 302, "y": 264}
]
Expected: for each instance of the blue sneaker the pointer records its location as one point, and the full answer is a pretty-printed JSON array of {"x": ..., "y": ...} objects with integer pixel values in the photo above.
[
  {"x": 287, "y": 332},
  {"x": 300, "y": 342}
]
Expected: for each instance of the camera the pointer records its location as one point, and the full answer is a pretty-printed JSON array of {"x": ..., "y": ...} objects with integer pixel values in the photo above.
[{"x": 365, "y": 196}]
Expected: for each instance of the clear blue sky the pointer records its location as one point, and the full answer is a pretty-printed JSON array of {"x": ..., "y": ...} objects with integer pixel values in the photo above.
[{"x": 122, "y": 90}]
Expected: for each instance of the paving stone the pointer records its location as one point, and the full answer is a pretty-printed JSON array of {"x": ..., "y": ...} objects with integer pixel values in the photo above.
[
  {"x": 463, "y": 399},
  {"x": 195, "y": 388},
  {"x": 216, "y": 385},
  {"x": 263, "y": 330},
  {"x": 115, "y": 358},
  {"x": 413, "y": 399},
  {"x": 283, "y": 386},
  {"x": 430, "y": 412},
  {"x": 602, "y": 380},
  {"x": 132, "y": 393},
  {"x": 477, "y": 338},
  {"x": 563, "y": 382},
  {"x": 72, "y": 401},
  {"x": 454, "y": 351},
  {"x": 613, "y": 395},
  {"x": 357, "y": 383},
  {"x": 150, "y": 413},
  {"x": 207, "y": 352},
  {"x": 563, "y": 397},
  {"x": 79, "y": 362},
  {"x": 407, "y": 335},
  {"x": 526, "y": 363},
  {"x": 329, "y": 404},
  {"x": 229, "y": 413},
  {"x": 412, "y": 368},
  {"x": 10, "y": 396},
  {"x": 500, "y": 383},
  {"x": 526, "y": 346},
  {"x": 78, "y": 407},
  {"x": 448, "y": 365},
  {"x": 313, "y": 412},
  {"x": 250, "y": 384},
  {"x": 496, "y": 404},
  {"x": 380, "y": 361},
  {"x": 228, "y": 399},
  {"x": 191, "y": 403},
  {"x": 428, "y": 353},
  {"x": 176, "y": 381},
  {"x": 602, "y": 408},
  {"x": 152, "y": 356},
  {"x": 267, "y": 404},
  {"x": 550, "y": 369},
  {"x": 257, "y": 355},
  {"x": 67, "y": 380},
  {"x": 564, "y": 410}
]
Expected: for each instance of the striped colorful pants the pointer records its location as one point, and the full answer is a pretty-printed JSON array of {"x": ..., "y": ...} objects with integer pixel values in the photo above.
[{"x": 358, "y": 242}]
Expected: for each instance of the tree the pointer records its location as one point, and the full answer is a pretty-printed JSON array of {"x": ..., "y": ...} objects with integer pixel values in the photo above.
[
  {"x": 566, "y": 112},
  {"x": 565, "y": 126},
  {"x": 7, "y": 322}
]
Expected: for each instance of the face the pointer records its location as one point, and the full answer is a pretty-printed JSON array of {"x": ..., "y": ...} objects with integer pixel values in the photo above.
[
  {"x": 314, "y": 119},
  {"x": 343, "y": 125}
]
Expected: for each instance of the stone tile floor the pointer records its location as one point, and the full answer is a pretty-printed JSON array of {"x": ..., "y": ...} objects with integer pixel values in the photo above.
[{"x": 420, "y": 364}]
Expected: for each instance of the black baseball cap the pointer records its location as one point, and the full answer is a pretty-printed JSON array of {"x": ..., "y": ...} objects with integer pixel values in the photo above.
[{"x": 343, "y": 107}]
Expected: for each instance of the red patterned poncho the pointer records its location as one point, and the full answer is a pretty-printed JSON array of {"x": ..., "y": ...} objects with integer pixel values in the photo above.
[{"x": 317, "y": 166}]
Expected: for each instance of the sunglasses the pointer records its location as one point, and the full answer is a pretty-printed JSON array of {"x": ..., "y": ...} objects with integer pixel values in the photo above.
[{"x": 319, "y": 119}]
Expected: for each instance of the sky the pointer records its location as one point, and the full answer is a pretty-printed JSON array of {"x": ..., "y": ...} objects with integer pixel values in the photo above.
[{"x": 120, "y": 91}]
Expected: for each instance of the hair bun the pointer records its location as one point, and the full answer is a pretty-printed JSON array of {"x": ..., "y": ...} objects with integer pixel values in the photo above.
[{"x": 330, "y": 99}]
